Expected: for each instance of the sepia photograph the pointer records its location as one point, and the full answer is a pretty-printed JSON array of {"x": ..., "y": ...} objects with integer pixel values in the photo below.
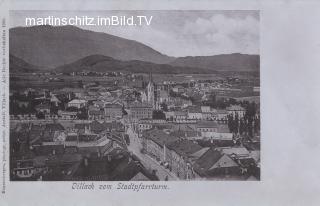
[{"x": 139, "y": 95}]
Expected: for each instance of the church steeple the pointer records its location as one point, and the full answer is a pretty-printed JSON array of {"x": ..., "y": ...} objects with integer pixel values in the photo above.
[{"x": 150, "y": 77}]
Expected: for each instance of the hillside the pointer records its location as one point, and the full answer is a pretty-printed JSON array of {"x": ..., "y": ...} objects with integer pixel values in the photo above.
[
  {"x": 18, "y": 65},
  {"x": 48, "y": 46},
  {"x": 223, "y": 62},
  {"x": 100, "y": 63}
]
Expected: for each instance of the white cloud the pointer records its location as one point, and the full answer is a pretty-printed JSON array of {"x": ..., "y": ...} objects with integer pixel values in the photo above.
[
  {"x": 221, "y": 34},
  {"x": 188, "y": 33}
]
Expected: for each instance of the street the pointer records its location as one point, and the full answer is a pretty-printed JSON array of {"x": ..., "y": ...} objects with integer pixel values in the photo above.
[{"x": 136, "y": 146}]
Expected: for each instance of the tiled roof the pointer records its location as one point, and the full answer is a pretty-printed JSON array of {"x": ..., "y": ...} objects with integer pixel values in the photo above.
[{"x": 207, "y": 160}]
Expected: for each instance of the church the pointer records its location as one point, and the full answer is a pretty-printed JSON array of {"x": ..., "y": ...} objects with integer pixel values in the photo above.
[{"x": 150, "y": 94}]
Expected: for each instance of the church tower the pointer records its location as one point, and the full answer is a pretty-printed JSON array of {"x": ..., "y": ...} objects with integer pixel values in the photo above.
[{"x": 151, "y": 92}]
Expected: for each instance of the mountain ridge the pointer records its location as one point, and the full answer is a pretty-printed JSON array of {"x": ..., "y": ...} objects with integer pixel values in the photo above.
[
  {"x": 101, "y": 63},
  {"x": 49, "y": 47},
  {"x": 52, "y": 44}
]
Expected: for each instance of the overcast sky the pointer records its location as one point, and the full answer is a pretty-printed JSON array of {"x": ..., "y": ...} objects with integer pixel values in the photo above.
[{"x": 177, "y": 33}]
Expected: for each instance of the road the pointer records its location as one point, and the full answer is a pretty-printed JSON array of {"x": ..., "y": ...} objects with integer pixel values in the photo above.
[{"x": 150, "y": 163}]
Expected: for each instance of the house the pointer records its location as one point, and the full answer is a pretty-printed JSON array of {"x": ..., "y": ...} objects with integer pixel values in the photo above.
[
  {"x": 67, "y": 115},
  {"x": 221, "y": 114},
  {"x": 140, "y": 111},
  {"x": 140, "y": 177},
  {"x": 96, "y": 127},
  {"x": 222, "y": 133},
  {"x": 113, "y": 111},
  {"x": 194, "y": 112},
  {"x": 164, "y": 96},
  {"x": 22, "y": 103},
  {"x": 178, "y": 154},
  {"x": 96, "y": 114},
  {"x": 242, "y": 156},
  {"x": 214, "y": 163},
  {"x": 145, "y": 124},
  {"x": 154, "y": 143},
  {"x": 78, "y": 103},
  {"x": 178, "y": 89},
  {"x": 207, "y": 126},
  {"x": 205, "y": 109},
  {"x": 236, "y": 110},
  {"x": 180, "y": 116},
  {"x": 54, "y": 100}
]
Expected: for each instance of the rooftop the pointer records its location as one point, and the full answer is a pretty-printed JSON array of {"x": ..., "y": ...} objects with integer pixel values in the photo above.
[
  {"x": 184, "y": 147},
  {"x": 159, "y": 137},
  {"x": 77, "y": 101},
  {"x": 207, "y": 124}
]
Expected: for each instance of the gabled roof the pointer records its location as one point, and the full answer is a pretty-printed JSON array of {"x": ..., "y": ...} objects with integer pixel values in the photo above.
[
  {"x": 207, "y": 160},
  {"x": 140, "y": 177}
]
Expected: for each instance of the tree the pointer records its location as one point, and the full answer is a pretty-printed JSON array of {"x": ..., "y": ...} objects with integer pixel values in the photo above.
[
  {"x": 236, "y": 123},
  {"x": 72, "y": 109},
  {"x": 164, "y": 106},
  {"x": 82, "y": 114},
  {"x": 80, "y": 84}
]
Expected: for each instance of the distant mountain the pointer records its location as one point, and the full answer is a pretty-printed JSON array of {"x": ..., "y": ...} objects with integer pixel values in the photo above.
[
  {"x": 18, "y": 65},
  {"x": 49, "y": 47},
  {"x": 100, "y": 63},
  {"x": 223, "y": 62}
]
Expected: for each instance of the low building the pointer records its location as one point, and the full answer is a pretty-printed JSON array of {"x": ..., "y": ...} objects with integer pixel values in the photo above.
[
  {"x": 96, "y": 115},
  {"x": 155, "y": 143},
  {"x": 113, "y": 111},
  {"x": 194, "y": 113},
  {"x": 222, "y": 133},
  {"x": 207, "y": 126},
  {"x": 236, "y": 110},
  {"x": 67, "y": 115},
  {"x": 221, "y": 115},
  {"x": 78, "y": 103}
]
